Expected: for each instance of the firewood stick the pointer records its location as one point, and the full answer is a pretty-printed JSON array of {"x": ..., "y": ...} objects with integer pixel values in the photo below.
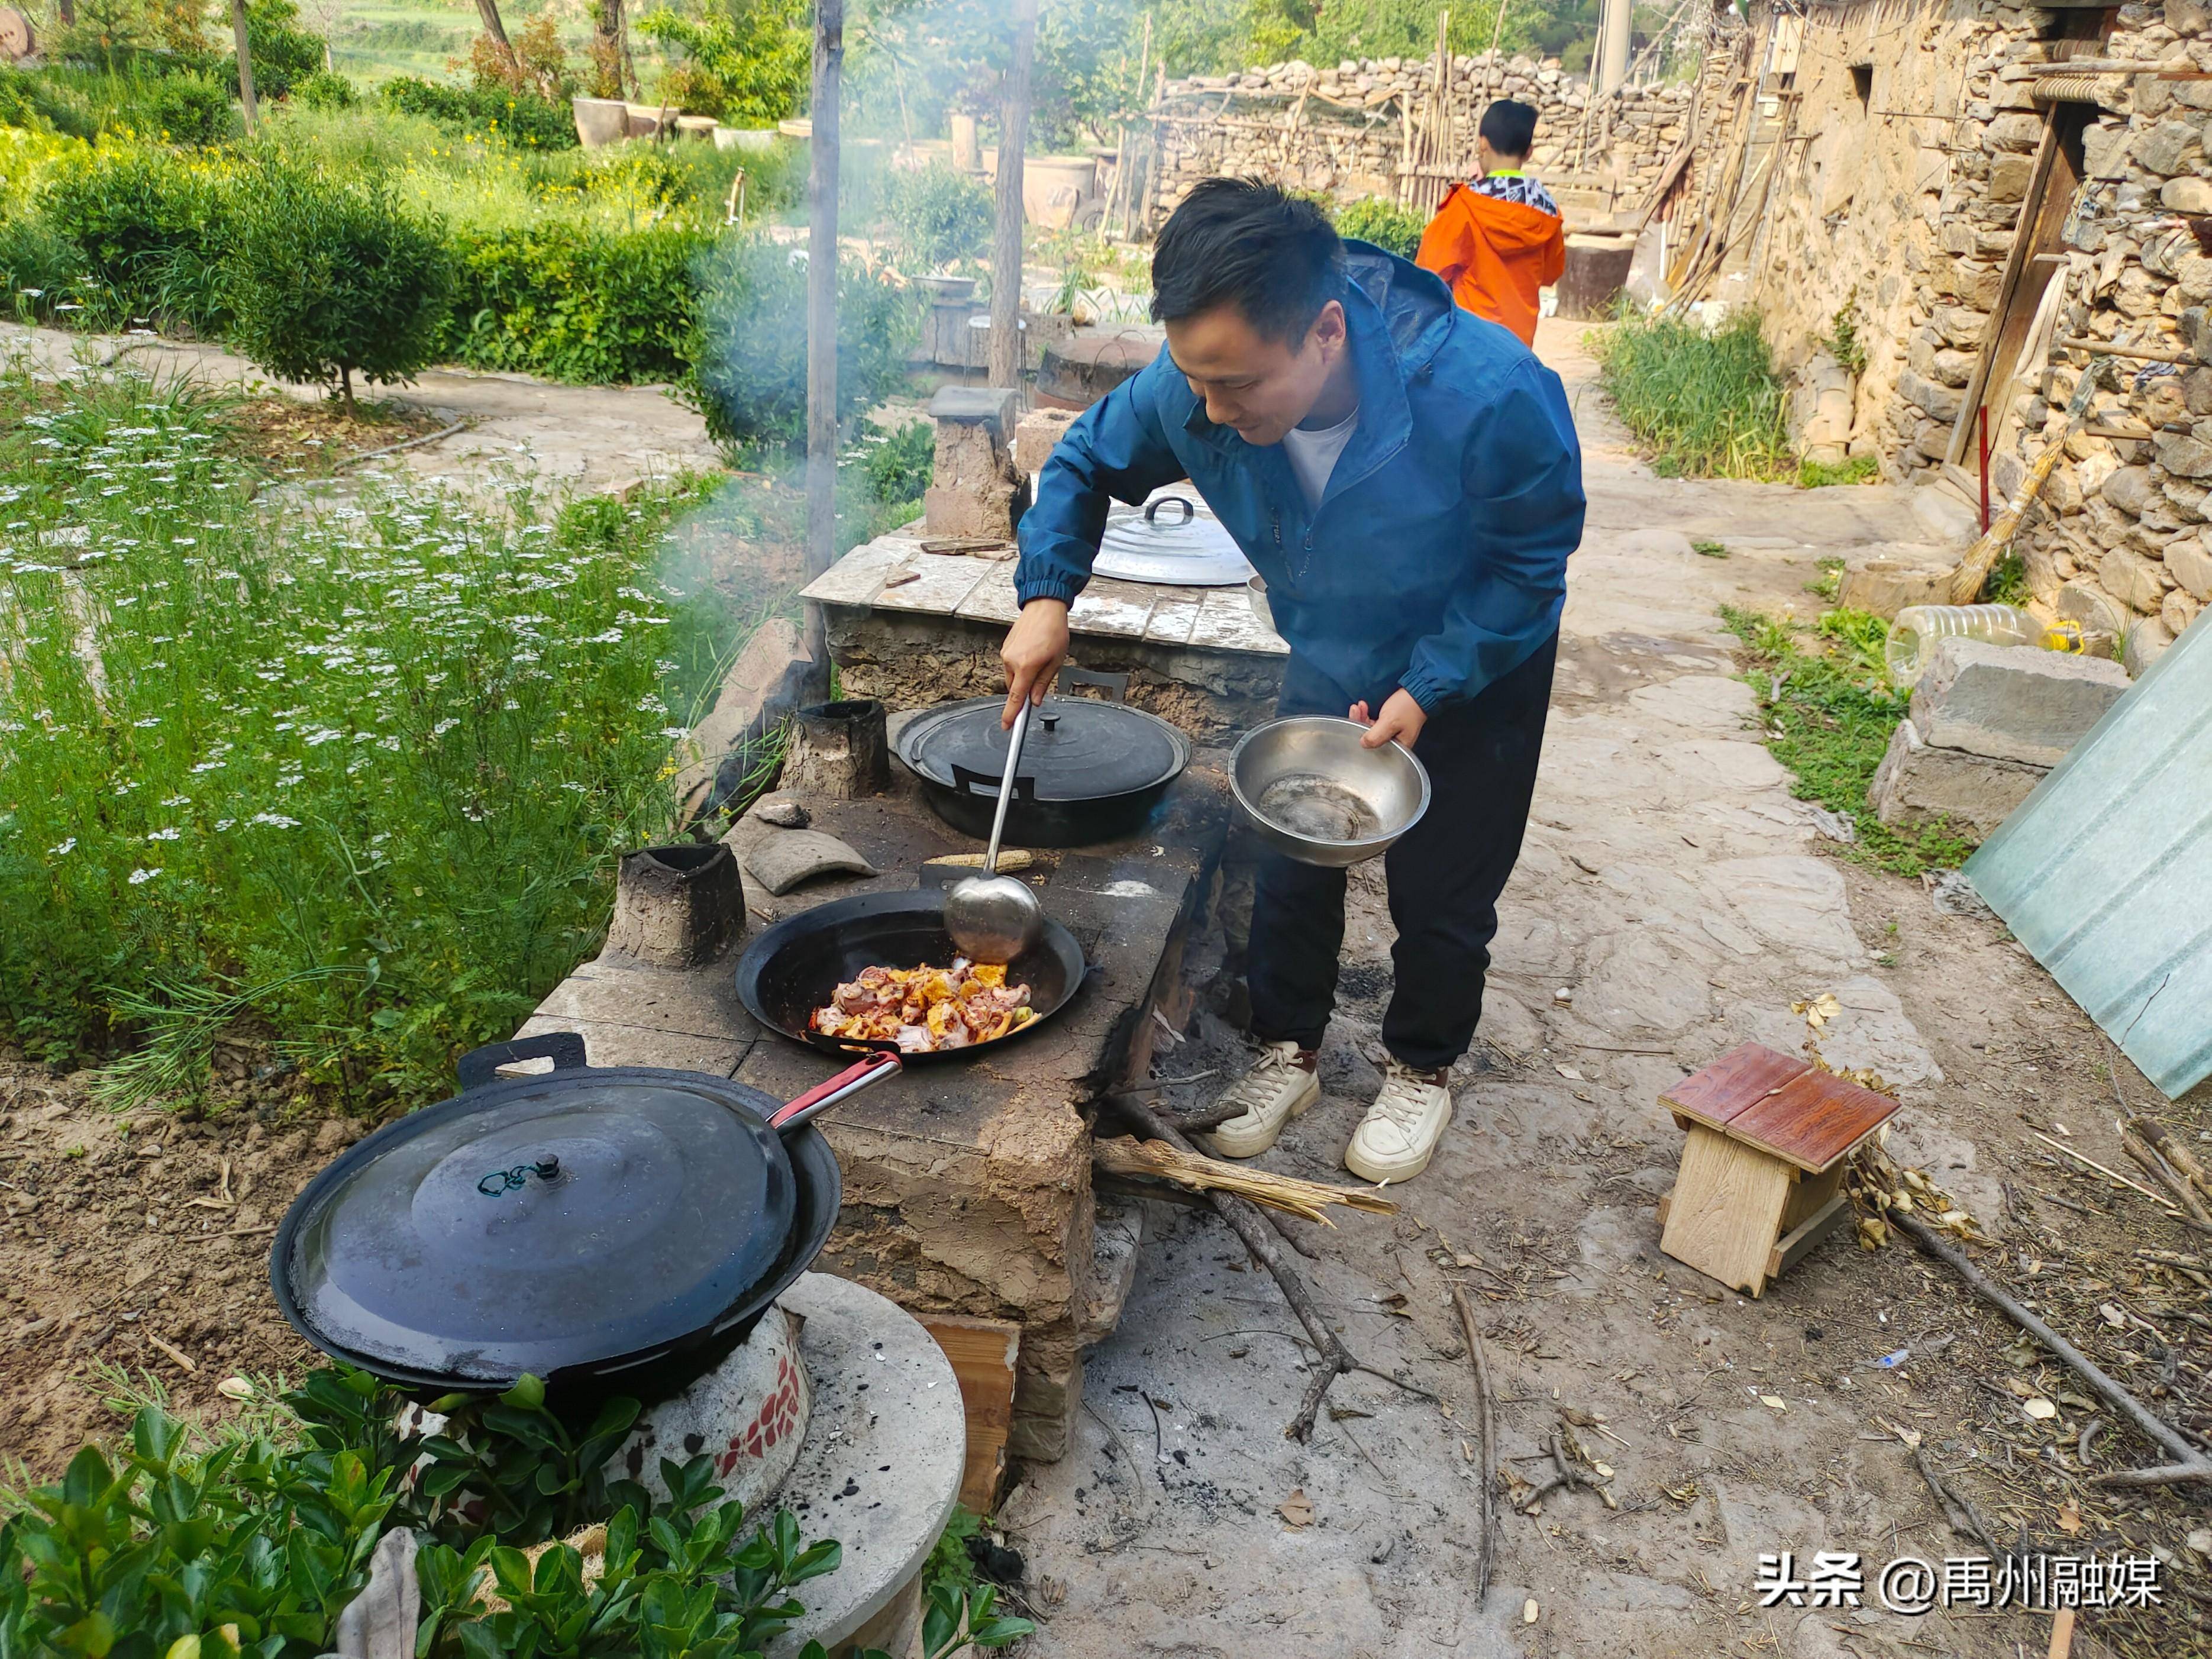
[
  {"x": 1486, "y": 1404},
  {"x": 2174, "y": 1153},
  {"x": 2189, "y": 1463},
  {"x": 2178, "y": 1189},
  {"x": 1189, "y": 1168},
  {"x": 1246, "y": 1219},
  {"x": 2159, "y": 1198}
]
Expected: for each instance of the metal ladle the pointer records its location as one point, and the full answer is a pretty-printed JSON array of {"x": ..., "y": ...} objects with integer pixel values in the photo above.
[{"x": 994, "y": 918}]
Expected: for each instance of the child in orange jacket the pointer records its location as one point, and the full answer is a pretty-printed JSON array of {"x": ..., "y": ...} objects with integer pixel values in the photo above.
[{"x": 1498, "y": 239}]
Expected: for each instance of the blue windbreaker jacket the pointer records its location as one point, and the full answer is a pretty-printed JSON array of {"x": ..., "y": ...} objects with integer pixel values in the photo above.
[{"x": 1437, "y": 558}]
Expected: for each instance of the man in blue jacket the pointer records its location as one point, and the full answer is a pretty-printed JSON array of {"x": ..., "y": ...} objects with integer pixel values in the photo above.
[{"x": 1404, "y": 475}]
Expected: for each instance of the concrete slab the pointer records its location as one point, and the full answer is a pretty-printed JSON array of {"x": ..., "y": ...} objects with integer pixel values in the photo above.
[{"x": 2013, "y": 702}]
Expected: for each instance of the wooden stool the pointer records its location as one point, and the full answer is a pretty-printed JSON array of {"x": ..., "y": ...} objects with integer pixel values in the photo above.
[{"x": 1762, "y": 1174}]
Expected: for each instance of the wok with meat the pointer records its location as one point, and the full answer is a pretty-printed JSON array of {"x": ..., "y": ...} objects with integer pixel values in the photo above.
[{"x": 926, "y": 1010}]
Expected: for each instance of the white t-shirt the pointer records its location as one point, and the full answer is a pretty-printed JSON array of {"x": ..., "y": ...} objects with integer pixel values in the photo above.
[{"x": 1313, "y": 454}]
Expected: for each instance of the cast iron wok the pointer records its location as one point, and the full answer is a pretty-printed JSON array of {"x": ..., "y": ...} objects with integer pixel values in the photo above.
[
  {"x": 666, "y": 1363},
  {"x": 793, "y": 968}
]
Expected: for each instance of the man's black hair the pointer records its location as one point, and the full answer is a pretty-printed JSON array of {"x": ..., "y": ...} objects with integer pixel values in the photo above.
[
  {"x": 1274, "y": 256},
  {"x": 1510, "y": 127}
]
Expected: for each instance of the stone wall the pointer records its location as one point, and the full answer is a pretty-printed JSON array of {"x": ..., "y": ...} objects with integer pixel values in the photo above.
[
  {"x": 1345, "y": 130},
  {"x": 1903, "y": 211}
]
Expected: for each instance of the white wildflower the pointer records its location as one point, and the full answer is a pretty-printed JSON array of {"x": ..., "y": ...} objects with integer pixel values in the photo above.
[
  {"x": 140, "y": 877},
  {"x": 274, "y": 820},
  {"x": 64, "y": 850},
  {"x": 170, "y": 834}
]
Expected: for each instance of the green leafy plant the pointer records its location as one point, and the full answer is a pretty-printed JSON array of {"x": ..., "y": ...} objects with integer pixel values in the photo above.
[
  {"x": 750, "y": 360},
  {"x": 330, "y": 281},
  {"x": 576, "y": 303},
  {"x": 1828, "y": 710},
  {"x": 1389, "y": 226},
  {"x": 745, "y": 62},
  {"x": 536, "y": 1478},
  {"x": 283, "y": 54},
  {"x": 245, "y": 1549},
  {"x": 326, "y": 90},
  {"x": 1829, "y": 581},
  {"x": 133, "y": 211},
  {"x": 1842, "y": 341},
  {"x": 519, "y": 118},
  {"x": 899, "y": 467},
  {"x": 1705, "y": 405},
  {"x": 1710, "y": 549},
  {"x": 939, "y": 217},
  {"x": 188, "y": 109},
  {"x": 1851, "y": 470}
]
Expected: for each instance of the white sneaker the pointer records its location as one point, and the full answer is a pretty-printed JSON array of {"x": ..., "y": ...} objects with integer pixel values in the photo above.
[
  {"x": 1399, "y": 1135},
  {"x": 1276, "y": 1090}
]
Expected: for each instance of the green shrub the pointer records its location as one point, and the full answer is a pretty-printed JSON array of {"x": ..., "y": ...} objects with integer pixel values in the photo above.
[
  {"x": 188, "y": 109},
  {"x": 31, "y": 100},
  {"x": 153, "y": 227},
  {"x": 283, "y": 55},
  {"x": 746, "y": 63},
  {"x": 900, "y": 465},
  {"x": 1389, "y": 226},
  {"x": 326, "y": 90},
  {"x": 574, "y": 302},
  {"x": 522, "y": 118},
  {"x": 1707, "y": 405},
  {"x": 1851, "y": 470},
  {"x": 330, "y": 279},
  {"x": 938, "y": 216},
  {"x": 39, "y": 266},
  {"x": 750, "y": 376}
]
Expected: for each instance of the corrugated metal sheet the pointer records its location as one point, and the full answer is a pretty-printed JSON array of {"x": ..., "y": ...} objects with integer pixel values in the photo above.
[{"x": 2104, "y": 873}]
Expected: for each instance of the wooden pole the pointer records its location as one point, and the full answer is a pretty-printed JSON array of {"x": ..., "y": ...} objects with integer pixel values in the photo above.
[
  {"x": 1006, "y": 243},
  {"x": 245, "y": 63},
  {"x": 821, "y": 320}
]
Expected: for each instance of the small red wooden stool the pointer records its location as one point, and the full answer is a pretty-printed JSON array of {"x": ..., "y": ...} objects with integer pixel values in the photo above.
[{"x": 1762, "y": 1174}]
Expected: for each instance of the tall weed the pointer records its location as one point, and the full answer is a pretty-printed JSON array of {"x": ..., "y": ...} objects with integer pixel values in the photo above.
[
  {"x": 1707, "y": 405},
  {"x": 361, "y": 770}
]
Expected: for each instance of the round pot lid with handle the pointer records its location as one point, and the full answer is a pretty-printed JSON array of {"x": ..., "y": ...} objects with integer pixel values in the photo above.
[
  {"x": 568, "y": 1222},
  {"x": 1174, "y": 541},
  {"x": 1077, "y": 749}
]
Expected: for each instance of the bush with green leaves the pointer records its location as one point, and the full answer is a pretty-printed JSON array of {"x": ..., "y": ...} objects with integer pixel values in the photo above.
[
  {"x": 30, "y": 99},
  {"x": 749, "y": 369},
  {"x": 899, "y": 464},
  {"x": 283, "y": 53},
  {"x": 1706, "y": 403},
  {"x": 938, "y": 216},
  {"x": 1389, "y": 226},
  {"x": 39, "y": 267},
  {"x": 329, "y": 281},
  {"x": 153, "y": 226},
  {"x": 521, "y": 118},
  {"x": 188, "y": 109},
  {"x": 745, "y": 62},
  {"x": 326, "y": 90},
  {"x": 573, "y": 301}
]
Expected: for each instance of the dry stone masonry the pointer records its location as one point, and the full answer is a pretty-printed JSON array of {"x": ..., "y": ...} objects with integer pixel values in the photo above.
[
  {"x": 1921, "y": 128},
  {"x": 1346, "y": 129}
]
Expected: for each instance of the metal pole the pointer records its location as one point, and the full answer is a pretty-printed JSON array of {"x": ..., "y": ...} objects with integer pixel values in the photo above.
[
  {"x": 245, "y": 63},
  {"x": 822, "y": 321},
  {"x": 1006, "y": 244}
]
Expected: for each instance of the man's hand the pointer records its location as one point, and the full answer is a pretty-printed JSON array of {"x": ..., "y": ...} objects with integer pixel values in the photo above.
[
  {"x": 1034, "y": 647},
  {"x": 1402, "y": 718}
]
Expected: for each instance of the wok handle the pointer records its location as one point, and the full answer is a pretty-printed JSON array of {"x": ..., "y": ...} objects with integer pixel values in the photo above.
[
  {"x": 964, "y": 782},
  {"x": 480, "y": 1066},
  {"x": 822, "y": 1096}
]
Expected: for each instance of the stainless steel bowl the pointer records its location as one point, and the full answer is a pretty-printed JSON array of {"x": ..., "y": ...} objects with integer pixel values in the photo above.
[{"x": 1312, "y": 792}]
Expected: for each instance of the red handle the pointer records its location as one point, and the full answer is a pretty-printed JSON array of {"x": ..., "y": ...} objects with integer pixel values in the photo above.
[{"x": 825, "y": 1094}]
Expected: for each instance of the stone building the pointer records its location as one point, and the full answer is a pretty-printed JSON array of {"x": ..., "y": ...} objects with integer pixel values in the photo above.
[{"x": 1964, "y": 191}]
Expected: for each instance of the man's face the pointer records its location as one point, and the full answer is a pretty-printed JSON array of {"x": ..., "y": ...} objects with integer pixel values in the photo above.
[{"x": 1259, "y": 387}]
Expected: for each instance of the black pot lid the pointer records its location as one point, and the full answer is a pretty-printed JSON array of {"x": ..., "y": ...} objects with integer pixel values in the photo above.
[
  {"x": 538, "y": 1225},
  {"x": 1077, "y": 749}
]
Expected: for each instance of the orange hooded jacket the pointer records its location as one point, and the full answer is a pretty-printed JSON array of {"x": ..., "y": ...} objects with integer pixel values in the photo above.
[{"x": 1494, "y": 256}]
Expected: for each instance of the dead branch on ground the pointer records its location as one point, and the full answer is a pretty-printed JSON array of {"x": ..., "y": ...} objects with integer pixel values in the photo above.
[
  {"x": 1186, "y": 1167},
  {"x": 2190, "y": 1463},
  {"x": 1249, "y": 1222},
  {"x": 1958, "y": 1509},
  {"x": 1487, "y": 1420}
]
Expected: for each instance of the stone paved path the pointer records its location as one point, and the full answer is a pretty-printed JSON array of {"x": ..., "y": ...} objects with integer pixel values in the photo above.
[
  {"x": 586, "y": 439},
  {"x": 1675, "y": 891}
]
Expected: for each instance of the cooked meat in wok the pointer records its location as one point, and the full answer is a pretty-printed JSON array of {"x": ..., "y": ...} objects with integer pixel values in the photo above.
[{"x": 924, "y": 1010}]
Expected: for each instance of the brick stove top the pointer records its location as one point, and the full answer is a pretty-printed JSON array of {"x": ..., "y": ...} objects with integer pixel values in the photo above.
[{"x": 967, "y": 1185}]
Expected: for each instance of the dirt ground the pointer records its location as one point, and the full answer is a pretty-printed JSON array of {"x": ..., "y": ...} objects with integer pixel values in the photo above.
[{"x": 1682, "y": 901}]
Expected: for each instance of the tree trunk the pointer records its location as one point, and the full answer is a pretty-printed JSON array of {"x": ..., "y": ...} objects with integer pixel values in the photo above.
[
  {"x": 822, "y": 319},
  {"x": 245, "y": 63},
  {"x": 613, "y": 32},
  {"x": 345, "y": 385},
  {"x": 1006, "y": 244},
  {"x": 489, "y": 10},
  {"x": 66, "y": 10}
]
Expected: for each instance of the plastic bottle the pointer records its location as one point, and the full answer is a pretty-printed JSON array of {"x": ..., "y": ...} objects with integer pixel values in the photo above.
[{"x": 1913, "y": 637}]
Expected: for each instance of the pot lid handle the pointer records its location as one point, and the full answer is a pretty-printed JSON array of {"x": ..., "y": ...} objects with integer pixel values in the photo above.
[
  {"x": 1189, "y": 511},
  {"x": 480, "y": 1066}
]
